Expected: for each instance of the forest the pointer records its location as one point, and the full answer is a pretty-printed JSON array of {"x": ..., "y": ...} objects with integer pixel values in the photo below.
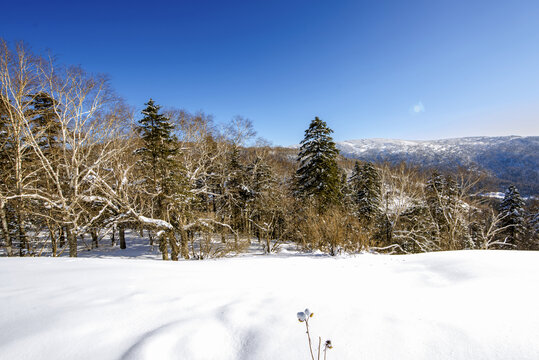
[{"x": 79, "y": 167}]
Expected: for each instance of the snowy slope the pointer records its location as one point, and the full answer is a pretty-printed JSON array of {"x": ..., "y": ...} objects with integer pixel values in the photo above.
[
  {"x": 453, "y": 305},
  {"x": 513, "y": 159}
]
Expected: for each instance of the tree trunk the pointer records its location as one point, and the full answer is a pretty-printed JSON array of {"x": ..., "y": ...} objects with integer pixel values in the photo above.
[
  {"x": 184, "y": 244},
  {"x": 163, "y": 246},
  {"x": 113, "y": 236},
  {"x": 21, "y": 234},
  {"x": 236, "y": 241},
  {"x": 5, "y": 230},
  {"x": 18, "y": 159},
  {"x": 268, "y": 242},
  {"x": 249, "y": 226},
  {"x": 72, "y": 241},
  {"x": 62, "y": 237},
  {"x": 122, "y": 237},
  {"x": 54, "y": 248},
  {"x": 95, "y": 238},
  {"x": 174, "y": 248}
]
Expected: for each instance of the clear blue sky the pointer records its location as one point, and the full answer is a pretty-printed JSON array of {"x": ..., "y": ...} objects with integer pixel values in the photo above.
[{"x": 391, "y": 69}]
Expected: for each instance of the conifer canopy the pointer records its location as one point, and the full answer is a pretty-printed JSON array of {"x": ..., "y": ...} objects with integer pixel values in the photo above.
[{"x": 318, "y": 175}]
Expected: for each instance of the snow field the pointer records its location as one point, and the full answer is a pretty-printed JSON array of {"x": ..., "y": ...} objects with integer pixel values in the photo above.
[{"x": 452, "y": 305}]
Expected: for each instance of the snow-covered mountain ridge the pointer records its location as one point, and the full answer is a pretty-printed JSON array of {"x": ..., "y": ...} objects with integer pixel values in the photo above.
[{"x": 512, "y": 159}]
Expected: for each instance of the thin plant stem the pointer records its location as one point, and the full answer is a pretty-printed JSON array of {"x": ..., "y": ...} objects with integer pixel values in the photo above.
[
  {"x": 319, "y": 343},
  {"x": 309, "y": 336}
]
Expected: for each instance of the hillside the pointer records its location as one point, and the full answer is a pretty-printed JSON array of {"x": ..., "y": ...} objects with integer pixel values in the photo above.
[{"x": 511, "y": 159}]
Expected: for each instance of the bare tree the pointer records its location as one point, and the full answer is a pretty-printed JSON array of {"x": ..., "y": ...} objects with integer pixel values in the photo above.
[
  {"x": 491, "y": 230},
  {"x": 89, "y": 117},
  {"x": 19, "y": 79},
  {"x": 239, "y": 130}
]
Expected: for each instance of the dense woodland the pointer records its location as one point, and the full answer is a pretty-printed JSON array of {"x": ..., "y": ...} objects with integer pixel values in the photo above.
[{"x": 78, "y": 167}]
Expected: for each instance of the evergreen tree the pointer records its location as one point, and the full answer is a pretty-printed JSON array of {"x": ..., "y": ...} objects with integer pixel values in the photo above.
[
  {"x": 346, "y": 191},
  {"x": 533, "y": 225},
  {"x": 366, "y": 191},
  {"x": 236, "y": 193},
  {"x": 513, "y": 215},
  {"x": 160, "y": 150},
  {"x": 46, "y": 126},
  {"x": 160, "y": 145},
  {"x": 318, "y": 175},
  {"x": 165, "y": 179},
  {"x": 261, "y": 194}
]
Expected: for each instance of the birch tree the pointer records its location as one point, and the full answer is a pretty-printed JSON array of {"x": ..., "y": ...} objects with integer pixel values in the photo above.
[{"x": 87, "y": 121}]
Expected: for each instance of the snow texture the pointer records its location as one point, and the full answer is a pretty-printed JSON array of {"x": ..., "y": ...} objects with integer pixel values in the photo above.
[
  {"x": 155, "y": 222},
  {"x": 453, "y": 305}
]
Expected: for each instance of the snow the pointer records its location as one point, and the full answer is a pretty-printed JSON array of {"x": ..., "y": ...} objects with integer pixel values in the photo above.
[
  {"x": 464, "y": 151},
  {"x": 511, "y": 158},
  {"x": 495, "y": 195},
  {"x": 155, "y": 222},
  {"x": 93, "y": 198},
  {"x": 450, "y": 305}
]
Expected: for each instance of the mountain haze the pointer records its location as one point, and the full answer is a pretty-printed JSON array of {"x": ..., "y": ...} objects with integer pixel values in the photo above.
[{"x": 511, "y": 159}]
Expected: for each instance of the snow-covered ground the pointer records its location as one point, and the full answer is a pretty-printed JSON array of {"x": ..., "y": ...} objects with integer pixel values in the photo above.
[{"x": 452, "y": 305}]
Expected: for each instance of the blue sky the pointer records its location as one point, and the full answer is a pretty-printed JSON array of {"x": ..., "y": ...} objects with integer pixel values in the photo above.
[{"x": 389, "y": 69}]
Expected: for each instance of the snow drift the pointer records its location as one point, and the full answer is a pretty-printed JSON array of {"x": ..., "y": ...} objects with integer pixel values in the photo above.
[{"x": 453, "y": 305}]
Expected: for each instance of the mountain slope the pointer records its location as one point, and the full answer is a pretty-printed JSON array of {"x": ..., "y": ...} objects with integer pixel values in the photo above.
[{"x": 511, "y": 159}]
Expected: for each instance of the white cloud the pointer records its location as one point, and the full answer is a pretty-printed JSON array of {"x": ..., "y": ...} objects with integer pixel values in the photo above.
[{"x": 418, "y": 108}]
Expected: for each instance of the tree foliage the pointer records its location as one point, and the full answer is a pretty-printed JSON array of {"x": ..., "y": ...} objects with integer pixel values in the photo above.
[
  {"x": 317, "y": 176},
  {"x": 366, "y": 189},
  {"x": 513, "y": 214}
]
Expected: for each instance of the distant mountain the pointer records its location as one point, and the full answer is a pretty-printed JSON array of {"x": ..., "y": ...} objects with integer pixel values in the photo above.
[{"x": 511, "y": 159}]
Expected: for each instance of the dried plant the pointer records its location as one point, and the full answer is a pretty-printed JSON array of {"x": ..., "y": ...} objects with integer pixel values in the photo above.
[{"x": 304, "y": 316}]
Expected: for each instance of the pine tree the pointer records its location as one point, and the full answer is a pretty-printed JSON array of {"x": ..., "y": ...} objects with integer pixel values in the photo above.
[
  {"x": 236, "y": 193},
  {"x": 165, "y": 179},
  {"x": 159, "y": 144},
  {"x": 366, "y": 191},
  {"x": 513, "y": 215},
  {"x": 318, "y": 175},
  {"x": 261, "y": 194},
  {"x": 533, "y": 225},
  {"x": 45, "y": 122}
]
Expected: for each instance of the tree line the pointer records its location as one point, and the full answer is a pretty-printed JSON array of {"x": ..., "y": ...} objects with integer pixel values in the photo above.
[{"x": 78, "y": 167}]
